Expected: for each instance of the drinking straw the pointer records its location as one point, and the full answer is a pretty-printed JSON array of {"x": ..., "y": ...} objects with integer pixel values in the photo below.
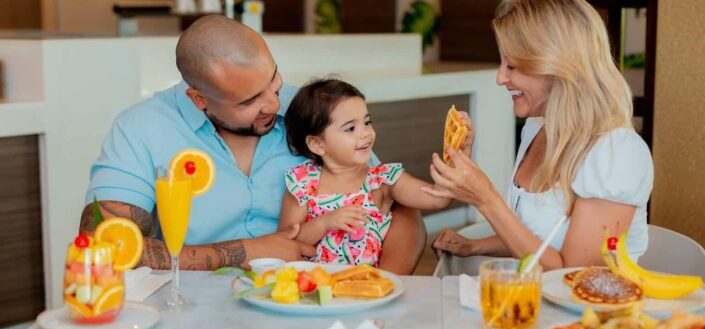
[
  {"x": 535, "y": 259},
  {"x": 532, "y": 263}
]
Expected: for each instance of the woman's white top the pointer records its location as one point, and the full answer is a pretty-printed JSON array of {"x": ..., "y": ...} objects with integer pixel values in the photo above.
[{"x": 617, "y": 168}]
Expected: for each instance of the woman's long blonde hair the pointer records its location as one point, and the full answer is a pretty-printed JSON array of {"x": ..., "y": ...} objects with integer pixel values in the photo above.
[{"x": 565, "y": 41}]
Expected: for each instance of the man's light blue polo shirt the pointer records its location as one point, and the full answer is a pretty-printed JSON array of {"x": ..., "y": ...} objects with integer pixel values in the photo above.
[{"x": 148, "y": 135}]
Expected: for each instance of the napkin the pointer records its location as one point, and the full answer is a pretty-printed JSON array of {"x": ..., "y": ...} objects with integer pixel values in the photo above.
[
  {"x": 140, "y": 283},
  {"x": 469, "y": 291},
  {"x": 367, "y": 324}
]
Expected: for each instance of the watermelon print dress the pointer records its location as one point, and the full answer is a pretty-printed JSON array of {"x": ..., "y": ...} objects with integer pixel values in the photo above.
[{"x": 340, "y": 247}]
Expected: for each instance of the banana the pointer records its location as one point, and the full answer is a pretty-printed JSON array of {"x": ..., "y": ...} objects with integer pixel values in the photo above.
[{"x": 655, "y": 285}]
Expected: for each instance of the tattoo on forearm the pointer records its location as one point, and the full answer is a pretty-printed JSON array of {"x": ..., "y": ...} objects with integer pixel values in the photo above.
[
  {"x": 155, "y": 255},
  {"x": 144, "y": 220},
  {"x": 209, "y": 262},
  {"x": 230, "y": 253},
  {"x": 141, "y": 217},
  {"x": 87, "y": 220}
]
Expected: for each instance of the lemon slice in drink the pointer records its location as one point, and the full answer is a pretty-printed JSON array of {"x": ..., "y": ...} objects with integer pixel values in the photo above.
[{"x": 524, "y": 262}]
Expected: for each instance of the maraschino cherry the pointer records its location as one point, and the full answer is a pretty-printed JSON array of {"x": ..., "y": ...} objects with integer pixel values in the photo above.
[{"x": 190, "y": 167}]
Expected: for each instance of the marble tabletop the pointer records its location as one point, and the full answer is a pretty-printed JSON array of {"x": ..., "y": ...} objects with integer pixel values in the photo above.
[{"x": 428, "y": 302}]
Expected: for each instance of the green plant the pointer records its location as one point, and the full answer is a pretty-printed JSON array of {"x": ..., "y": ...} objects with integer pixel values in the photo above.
[
  {"x": 328, "y": 13},
  {"x": 635, "y": 60},
  {"x": 421, "y": 18}
]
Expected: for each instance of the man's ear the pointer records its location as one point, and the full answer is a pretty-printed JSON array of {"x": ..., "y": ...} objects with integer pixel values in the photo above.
[
  {"x": 315, "y": 145},
  {"x": 198, "y": 100}
]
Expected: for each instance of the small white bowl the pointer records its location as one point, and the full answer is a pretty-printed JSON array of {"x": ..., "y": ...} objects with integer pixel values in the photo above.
[
  {"x": 302, "y": 265},
  {"x": 261, "y": 265}
]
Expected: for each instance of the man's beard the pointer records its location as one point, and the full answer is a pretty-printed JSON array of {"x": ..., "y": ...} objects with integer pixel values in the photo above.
[{"x": 242, "y": 131}]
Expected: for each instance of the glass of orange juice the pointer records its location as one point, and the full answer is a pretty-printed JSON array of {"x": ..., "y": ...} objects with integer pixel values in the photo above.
[
  {"x": 174, "y": 196},
  {"x": 508, "y": 298},
  {"x": 93, "y": 288}
]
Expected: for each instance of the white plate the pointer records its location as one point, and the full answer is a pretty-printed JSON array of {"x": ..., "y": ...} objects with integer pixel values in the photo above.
[
  {"x": 555, "y": 290},
  {"x": 134, "y": 315},
  {"x": 337, "y": 306}
]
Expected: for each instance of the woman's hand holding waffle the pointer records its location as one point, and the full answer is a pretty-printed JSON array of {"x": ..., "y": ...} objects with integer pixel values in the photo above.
[
  {"x": 457, "y": 176},
  {"x": 458, "y": 134}
]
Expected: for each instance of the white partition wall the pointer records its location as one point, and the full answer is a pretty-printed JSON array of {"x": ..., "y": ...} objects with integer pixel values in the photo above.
[{"x": 79, "y": 85}]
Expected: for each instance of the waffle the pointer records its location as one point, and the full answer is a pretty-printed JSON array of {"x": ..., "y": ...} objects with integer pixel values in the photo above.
[
  {"x": 363, "y": 289},
  {"x": 360, "y": 272},
  {"x": 602, "y": 289},
  {"x": 454, "y": 134}
]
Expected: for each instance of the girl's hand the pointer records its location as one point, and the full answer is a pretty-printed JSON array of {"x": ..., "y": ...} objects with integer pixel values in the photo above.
[
  {"x": 348, "y": 218},
  {"x": 466, "y": 148},
  {"x": 465, "y": 182},
  {"x": 452, "y": 242}
]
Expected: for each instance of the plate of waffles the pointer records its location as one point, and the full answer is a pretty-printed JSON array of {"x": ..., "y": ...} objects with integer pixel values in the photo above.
[
  {"x": 454, "y": 134},
  {"x": 351, "y": 283},
  {"x": 598, "y": 288}
]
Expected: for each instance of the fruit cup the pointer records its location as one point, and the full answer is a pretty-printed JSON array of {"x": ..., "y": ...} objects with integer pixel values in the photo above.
[
  {"x": 93, "y": 290},
  {"x": 94, "y": 284}
]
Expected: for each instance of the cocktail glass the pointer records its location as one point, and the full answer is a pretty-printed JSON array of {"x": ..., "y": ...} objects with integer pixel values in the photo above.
[{"x": 173, "y": 208}]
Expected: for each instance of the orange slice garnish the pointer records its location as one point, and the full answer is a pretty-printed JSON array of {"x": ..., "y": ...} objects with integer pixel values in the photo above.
[
  {"x": 454, "y": 134},
  {"x": 77, "y": 310},
  {"x": 109, "y": 300},
  {"x": 194, "y": 164},
  {"x": 127, "y": 237}
]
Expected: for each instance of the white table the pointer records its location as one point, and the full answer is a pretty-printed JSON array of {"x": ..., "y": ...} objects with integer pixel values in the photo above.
[
  {"x": 457, "y": 317},
  {"x": 418, "y": 307},
  {"x": 428, "y": 303}
]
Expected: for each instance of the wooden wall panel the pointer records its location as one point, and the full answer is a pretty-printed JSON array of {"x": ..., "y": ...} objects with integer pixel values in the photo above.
[
  {"x": 410, "y": 131},
  {"x": 368, "y": 16},
  {"x": 677, "y": 201},
  {"x": 466, "y": 31},
  {"x": 20, "y": 14},
  {"x": 283, "y": 16},
  {"x": 21, "y": 263}
]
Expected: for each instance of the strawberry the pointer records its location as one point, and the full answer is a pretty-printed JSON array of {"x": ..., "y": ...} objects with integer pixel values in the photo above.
[{"x": 305, "y": 282}]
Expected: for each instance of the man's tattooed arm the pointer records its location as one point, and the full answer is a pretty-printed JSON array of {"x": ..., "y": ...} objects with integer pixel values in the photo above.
[
  {"x": 144, "y": 220},
  {"x": 155, "y": 254}
]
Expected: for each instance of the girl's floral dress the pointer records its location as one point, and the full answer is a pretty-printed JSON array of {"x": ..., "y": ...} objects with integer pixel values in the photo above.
[{"x": 340, "y": 247}]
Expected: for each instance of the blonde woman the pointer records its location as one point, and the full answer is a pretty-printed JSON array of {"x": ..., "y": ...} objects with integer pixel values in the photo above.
[{"x": 579, "y": 155}]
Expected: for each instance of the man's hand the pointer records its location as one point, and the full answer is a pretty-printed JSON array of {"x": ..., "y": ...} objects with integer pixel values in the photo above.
[{"x": 281, "y": 245}]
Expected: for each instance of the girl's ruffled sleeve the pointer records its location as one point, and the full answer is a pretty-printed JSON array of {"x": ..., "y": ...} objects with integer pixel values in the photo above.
[{"x": 296, "y": 179}]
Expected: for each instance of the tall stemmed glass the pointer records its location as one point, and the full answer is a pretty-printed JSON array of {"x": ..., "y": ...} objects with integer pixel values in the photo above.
[{"x": 174, "y": 208}]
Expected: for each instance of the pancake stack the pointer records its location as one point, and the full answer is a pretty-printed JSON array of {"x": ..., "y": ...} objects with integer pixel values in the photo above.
[{"x": 601, "y": 289}]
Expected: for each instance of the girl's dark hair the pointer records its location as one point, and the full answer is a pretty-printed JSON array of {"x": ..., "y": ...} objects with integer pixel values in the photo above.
[{"x": 309, "y": 112}]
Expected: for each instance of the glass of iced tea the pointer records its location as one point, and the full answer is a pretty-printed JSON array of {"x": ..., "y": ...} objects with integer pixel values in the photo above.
[{"x": 509, "y": 299}]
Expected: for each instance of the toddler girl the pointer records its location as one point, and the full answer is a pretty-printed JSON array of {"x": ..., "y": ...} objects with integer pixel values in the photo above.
[{"x": 342, "y": 203}]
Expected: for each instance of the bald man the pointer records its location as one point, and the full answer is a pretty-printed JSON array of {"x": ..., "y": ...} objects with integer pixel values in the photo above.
[{"x": 228, "y": 106}]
